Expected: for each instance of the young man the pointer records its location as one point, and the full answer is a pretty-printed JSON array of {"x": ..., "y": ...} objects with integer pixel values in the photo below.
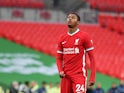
[
  {"x": 72, "y": 48},
  {"x": 98, "y": 89},
  {"x": 113, "y": 88},
  {"x": 121, "y": 86}
]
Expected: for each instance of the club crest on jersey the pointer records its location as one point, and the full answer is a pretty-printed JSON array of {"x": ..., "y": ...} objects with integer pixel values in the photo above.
[{"x": 76, "y": 41}]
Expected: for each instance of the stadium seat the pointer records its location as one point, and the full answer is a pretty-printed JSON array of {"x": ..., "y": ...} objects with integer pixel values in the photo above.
[
  {"x": 107, "y": 5},
  {"x": 112, "y": 22}
]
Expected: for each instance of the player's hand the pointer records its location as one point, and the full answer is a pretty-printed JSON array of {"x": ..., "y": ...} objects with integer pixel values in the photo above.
[
  {"x": 90, "y": 83},
  {"x": 62, "y": 74}
]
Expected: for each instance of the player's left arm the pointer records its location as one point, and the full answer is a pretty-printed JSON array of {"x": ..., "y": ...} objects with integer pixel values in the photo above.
[
  {"x": 88, "y": 44},
  {"x": 92, "y": 67}
]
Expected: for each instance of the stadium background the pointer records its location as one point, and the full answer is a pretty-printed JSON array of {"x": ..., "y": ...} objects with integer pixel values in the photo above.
[{"x": 29, "y": 30}]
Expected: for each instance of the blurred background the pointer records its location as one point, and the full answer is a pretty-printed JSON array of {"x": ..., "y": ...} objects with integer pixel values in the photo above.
[{"x": 29, "y": 30}]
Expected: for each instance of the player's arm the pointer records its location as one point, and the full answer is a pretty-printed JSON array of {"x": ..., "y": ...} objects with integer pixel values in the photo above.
[
  {"x": 88, "y": 44},
  {"x": 59, "y": 59},
  {"x": 92, "y": 68}
]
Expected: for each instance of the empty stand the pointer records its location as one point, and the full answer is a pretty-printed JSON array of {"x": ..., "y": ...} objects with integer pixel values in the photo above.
[
  {"x": 112, "y": 22},
  {"x": 43, "y": 37},
  {"x": 107, "y": 5}
]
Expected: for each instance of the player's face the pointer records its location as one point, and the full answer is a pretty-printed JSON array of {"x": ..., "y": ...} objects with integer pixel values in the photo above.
[{"x": 72, "y": 20}]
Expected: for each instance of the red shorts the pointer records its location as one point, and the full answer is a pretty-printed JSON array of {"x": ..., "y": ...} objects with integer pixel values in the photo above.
[{"x": 74, "y": 84}]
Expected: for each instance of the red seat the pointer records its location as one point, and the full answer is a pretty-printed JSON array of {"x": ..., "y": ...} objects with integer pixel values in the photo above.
[{"x": 107, "y": 5}]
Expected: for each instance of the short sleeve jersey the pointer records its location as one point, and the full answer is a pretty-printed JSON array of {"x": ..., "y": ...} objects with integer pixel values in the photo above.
[{"x": 73, "y": 48}]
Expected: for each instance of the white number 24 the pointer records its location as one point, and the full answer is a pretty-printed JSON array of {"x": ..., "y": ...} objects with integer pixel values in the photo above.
[{"x": 79, "y": 87}]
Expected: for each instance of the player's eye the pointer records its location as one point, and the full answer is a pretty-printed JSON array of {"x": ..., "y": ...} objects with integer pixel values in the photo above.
[{"x": 71, "y": 17}]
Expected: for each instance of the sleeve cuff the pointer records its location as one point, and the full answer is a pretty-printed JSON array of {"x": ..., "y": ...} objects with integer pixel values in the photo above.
[
  {"x": 60, "y": 52},
  {"x": 91, "y": 48}
]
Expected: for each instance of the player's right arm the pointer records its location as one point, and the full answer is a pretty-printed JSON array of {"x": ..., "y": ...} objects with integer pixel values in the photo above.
[{"x": 59, "y": 58}]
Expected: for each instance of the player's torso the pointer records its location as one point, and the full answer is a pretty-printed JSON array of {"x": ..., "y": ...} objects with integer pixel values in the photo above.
[{"x": 73, "y": 52}]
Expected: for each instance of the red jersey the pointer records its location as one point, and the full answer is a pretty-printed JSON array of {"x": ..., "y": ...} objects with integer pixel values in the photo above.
[{"x": 71, "y": 52}]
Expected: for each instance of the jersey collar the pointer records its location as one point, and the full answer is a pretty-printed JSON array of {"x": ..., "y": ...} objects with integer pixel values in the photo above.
[{"x": 74, "y": 32}]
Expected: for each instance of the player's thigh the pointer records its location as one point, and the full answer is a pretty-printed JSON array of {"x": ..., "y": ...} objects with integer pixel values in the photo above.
[
  {"x": 66, "y": 85},
  {"x": 79, "y": 84}
]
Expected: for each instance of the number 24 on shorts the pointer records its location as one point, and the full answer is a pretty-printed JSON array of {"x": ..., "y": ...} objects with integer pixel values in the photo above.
[{"x": 79, "y": 88}]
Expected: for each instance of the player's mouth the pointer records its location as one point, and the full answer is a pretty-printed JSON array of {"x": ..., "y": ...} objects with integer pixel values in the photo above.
[
  {"x": 70, "y": 26},
  {"x": 69, "y": 22}
]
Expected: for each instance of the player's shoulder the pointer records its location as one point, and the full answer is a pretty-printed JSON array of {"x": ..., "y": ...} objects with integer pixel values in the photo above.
[
  {"x": 61, "y": 37},
  {"x": 84, "y": 33}
]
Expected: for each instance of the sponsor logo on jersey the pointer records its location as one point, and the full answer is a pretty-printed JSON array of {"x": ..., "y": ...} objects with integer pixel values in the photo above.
[{"x": 71, "y": 50}]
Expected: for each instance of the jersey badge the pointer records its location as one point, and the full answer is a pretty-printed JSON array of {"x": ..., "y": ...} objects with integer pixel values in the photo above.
[{"x": 76, "y": 41}]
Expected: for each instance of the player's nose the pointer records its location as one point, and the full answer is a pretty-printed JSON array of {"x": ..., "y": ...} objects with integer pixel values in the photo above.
[{"x": 69, "y": 18}]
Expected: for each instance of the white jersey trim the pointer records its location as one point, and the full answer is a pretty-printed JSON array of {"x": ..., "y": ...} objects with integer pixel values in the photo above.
[
  {"x": 73, "y": 33},
  {"x": 84, "y": 58},
  {"x": 84, "y": 70},
  {"x": 91, "y": 48},
  {"x": 58, "y": 51}
]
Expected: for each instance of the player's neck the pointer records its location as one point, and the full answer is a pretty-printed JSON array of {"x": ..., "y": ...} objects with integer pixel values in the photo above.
[{"x": 72, "y": 30}]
